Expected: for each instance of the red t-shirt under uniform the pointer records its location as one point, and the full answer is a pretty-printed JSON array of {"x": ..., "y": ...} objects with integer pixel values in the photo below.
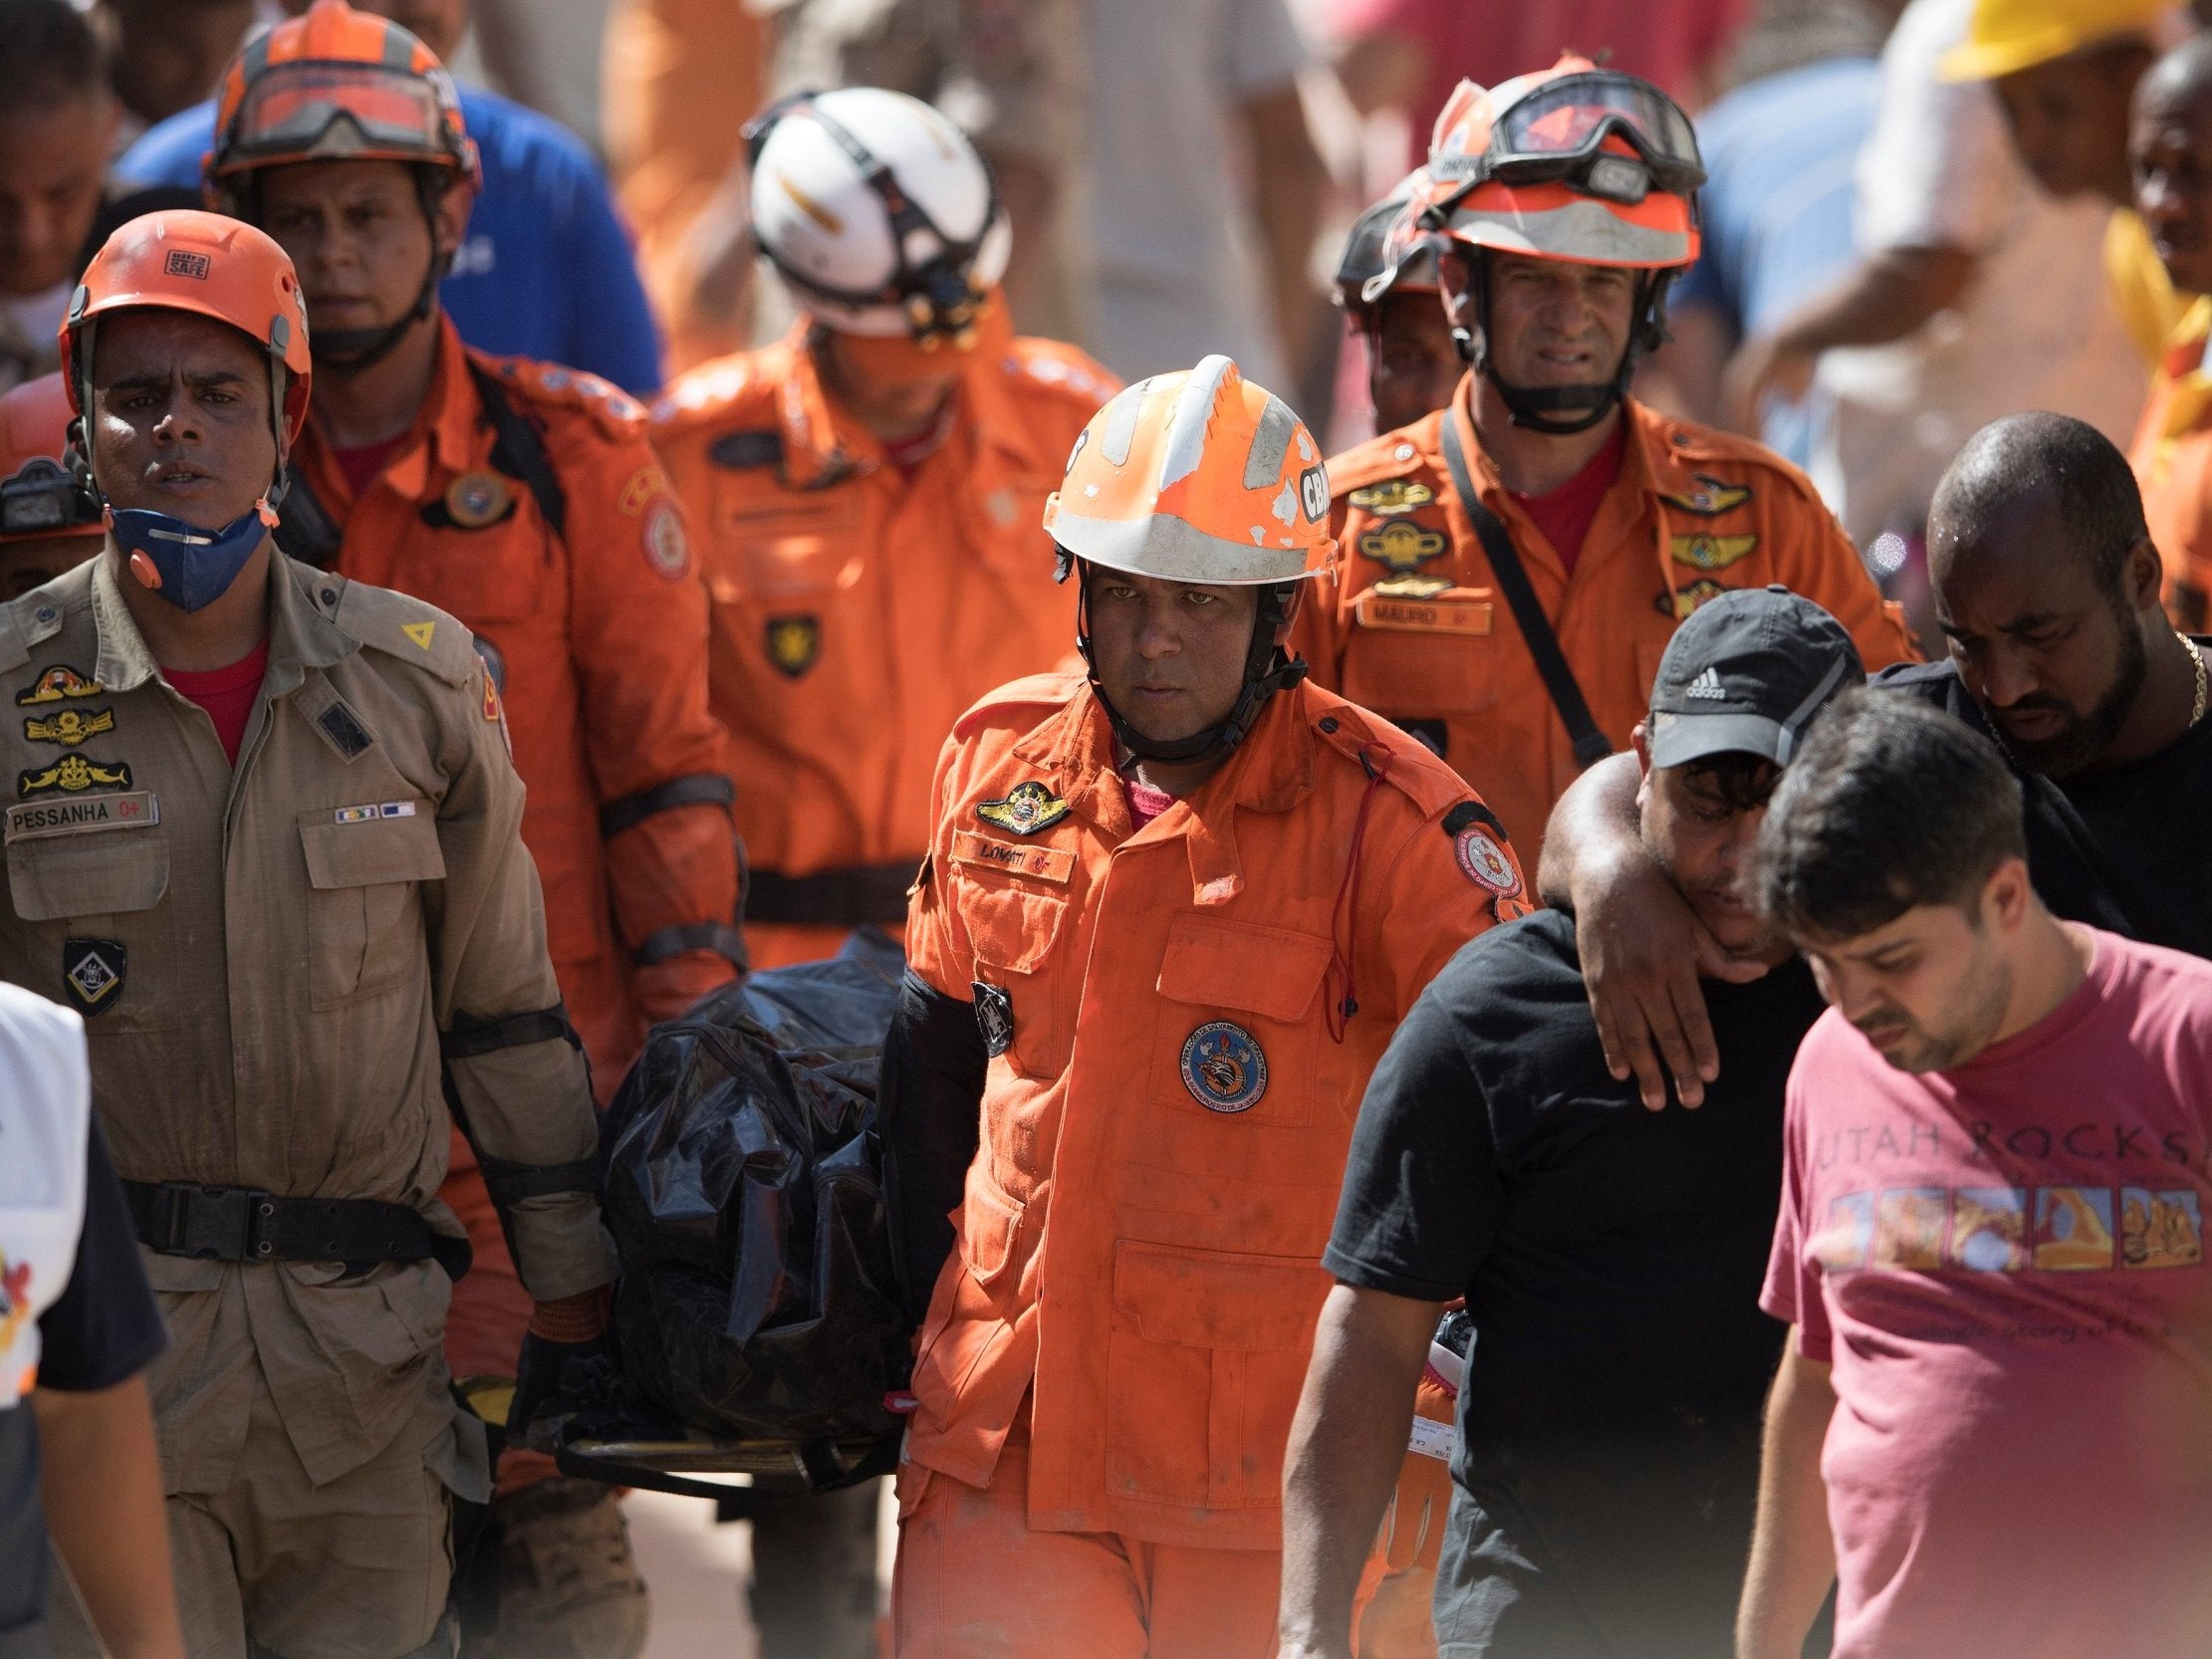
[
  {"x": 227, "y": 694},
  {"x": 1566, "y": 514},
  {"x": 2005, "y": 1264}
]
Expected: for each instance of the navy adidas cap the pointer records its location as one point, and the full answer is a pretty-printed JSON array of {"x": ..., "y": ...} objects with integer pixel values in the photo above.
[{"x": 1745, "y": 674}]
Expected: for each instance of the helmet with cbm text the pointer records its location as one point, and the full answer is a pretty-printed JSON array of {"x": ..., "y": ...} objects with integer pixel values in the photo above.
[
  {"x": 208, "y": 266},
  {"x": 1575, "y": 163},
  {"x": 1199, "y": 477}
]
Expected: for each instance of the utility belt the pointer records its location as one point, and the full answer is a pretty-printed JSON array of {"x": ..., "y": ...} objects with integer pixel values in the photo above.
[
  {"x": 858, "y": 895},
  {"x": 243, "y": 1224}
]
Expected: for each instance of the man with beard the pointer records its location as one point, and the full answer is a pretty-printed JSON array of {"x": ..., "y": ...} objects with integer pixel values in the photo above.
[
  {"x": 2047, "y": 585},
  {"x": 1991, "y": 1243},
  {"x": 1608, "y": 1454}
]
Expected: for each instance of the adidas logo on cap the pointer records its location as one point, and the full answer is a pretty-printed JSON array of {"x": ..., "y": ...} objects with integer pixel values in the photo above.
[{"x": 1707, "y": 684}]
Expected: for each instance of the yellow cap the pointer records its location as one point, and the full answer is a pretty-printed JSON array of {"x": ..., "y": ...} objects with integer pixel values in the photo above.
[{"x": 2008, "y": 35}]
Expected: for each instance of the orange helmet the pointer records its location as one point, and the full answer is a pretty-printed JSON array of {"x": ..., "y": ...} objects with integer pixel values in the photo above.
[
  {"x": 336, "y": 84},
  {"x": 1198, "y": 477},
  {"x": 1573, "y": 162},
  {"x": 202, "y": 262},
  {"x": 40, "y": 494}
]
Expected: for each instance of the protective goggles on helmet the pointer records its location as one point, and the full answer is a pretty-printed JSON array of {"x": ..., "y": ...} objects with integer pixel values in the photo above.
[
  {"x": 297, "y": 111},
  {"x": 1559, "y": 131},
  {"x": 45, "y": 498}
]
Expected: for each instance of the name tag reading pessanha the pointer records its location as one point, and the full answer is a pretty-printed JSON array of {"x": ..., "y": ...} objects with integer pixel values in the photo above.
[{"x": 133, "y": 810}]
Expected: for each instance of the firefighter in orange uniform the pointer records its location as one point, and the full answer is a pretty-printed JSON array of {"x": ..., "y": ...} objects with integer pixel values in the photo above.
[
  {"x": 865, "y": 493},
  {"x": 47, "y": 518},
  {"x": 1567, "y": 200},
  {"x": 1170, "y": 916},
  {"x": 524, "y": 500}
]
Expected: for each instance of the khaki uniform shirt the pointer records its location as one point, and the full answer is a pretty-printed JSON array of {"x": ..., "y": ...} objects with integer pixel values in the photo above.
[{"x": 292, "y": 937}]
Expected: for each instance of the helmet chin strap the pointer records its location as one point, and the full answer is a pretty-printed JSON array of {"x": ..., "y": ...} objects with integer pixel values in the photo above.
[
  {"x": 1563, "y": 412},
  {"x": 1268, "y": 668}
]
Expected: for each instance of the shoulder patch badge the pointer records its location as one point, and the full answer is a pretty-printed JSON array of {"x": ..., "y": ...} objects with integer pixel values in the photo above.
[
  {"x": 1711, "y": 498},
  {"x": 1710, "y": 553},
  {"x": 420, "y": 632},
  {"x": 54, "y": 685},
  {"x": 794, "y": 643},
  {"x": 477, "y": 499},
  {"x": 667, "y": 548},
  {"x": 1400, "y": 545},
  {"x": 1025, "y": 809},
  {"x": 1683, "y": 600},
  {"x": 1395, "y": 495},
  {"x": 93, "y": 972},
  {"x": 994, "y": 1017},
  {"x": 343, "y": 731},
  {"x": 1484, "y": 863},
  {"x": 72, "y": 775},
  {"x": 1224, "y": 1066},
  {"x": 646, "y": 482},
  {"x": 69, "y": 727}
]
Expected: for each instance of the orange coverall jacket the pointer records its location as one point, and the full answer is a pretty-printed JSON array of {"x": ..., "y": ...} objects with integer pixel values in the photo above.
[
  {"x": 597, "y": 638},
  {"x": 1411, "y": 624},
  {"x": 1173, "y": 1099},
  {"x": 2172, "y": 457},
  {"x": 859, "y": 609}
]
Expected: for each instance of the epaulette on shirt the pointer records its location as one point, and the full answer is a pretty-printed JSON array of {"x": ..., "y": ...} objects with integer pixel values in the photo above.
[
  {"x": 1049, "y": 363},
  {"x": 1026, "y": 702},
  {"x": 401, "y": 626},
  {"x": 1413, "y": 769},
  {"x": 546, "y": 386},
  {"x": 1726, "y": 472},
  {"x": 34, "y": 618}
]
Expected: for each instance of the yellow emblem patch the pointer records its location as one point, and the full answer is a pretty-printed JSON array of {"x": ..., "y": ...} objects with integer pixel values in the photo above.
[
  {"x": 69, "y": 727},
  {"x": 1396, "y": 495},
  {"x": 54, "y": 685},
  {"x": 1711, "y": 553},
  {"x": 794, "y": 643},
  {"x": 71, "y": 775},
  {"x": 1400, "y": 545},
  {"x": 1683, "y": 600},
  {"x": 646, "y": 483},
  {"x": 1025, "y": 809},
  {"x": 419, "y": 632},
  {"x": 1711, "y": 498},
  {"x": 477, "y": 499}
]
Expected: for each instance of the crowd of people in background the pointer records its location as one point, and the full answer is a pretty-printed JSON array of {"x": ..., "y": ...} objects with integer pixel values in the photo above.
[{"x": 1583, "y": 531}]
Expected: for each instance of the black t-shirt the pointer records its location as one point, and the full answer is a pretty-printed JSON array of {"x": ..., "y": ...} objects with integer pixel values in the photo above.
[
  {"x": 102, "y": 1328},
  {"x": 2127, "y": 849},
  {"x": 1611, "y": 1259}
]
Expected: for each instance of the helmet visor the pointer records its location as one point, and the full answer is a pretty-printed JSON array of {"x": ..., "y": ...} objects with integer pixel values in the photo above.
[
  {"x": 1559, "y": 131},
  {"x": 313, "y": 110}
]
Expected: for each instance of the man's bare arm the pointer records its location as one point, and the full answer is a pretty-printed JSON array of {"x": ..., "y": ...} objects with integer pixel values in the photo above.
[
  {"x": 101, "y": 1479},
  {"x": 1643, "y": 947},
  {"x": 1289, "y": 184},
  {"x": 1882, "y": 297},
  {"x": 1793, "y": 1553},
  {"x": 1348, "y": 1445}
]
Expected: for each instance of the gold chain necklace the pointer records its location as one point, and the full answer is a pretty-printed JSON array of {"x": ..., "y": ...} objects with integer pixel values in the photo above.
[{"x": 2204, "y": 680}]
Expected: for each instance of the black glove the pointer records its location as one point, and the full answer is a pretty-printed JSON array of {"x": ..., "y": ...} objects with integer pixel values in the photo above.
[{"x": 554, "y": 1382}]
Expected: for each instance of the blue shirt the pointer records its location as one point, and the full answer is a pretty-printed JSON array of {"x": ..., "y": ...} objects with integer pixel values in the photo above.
[
  {"x": 545, "y": 270},
  {"x": 1776, "y": 203}
]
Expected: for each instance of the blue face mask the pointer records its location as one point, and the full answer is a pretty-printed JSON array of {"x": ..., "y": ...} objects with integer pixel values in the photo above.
[{"x": 192, "y": 567}]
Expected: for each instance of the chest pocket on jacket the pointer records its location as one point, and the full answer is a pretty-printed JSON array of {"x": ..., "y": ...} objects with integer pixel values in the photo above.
[
  {"x": 1403, "y": 672},
  {"x": 103, "y": 886},
  {"x": 504, "y": 573},
  {"x": 1239, "y": 1016},
  {"x": 365, "y": 912},
  {"x": 1001, "y": 521},
  {"x": 790, "y": 549},
  {"x": 1014, "y": 932}
]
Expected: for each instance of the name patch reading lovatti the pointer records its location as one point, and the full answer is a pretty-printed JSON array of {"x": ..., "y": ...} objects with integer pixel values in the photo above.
[
  {"x": 1041, "y": 863},
  {"x": 36, "y": 818}
]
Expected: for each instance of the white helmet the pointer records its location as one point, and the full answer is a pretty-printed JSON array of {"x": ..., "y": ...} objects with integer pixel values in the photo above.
[{"x": 878, "y": 212}]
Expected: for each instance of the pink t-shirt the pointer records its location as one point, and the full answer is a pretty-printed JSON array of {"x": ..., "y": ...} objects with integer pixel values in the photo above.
[{"x": 2006, "y": 1264}]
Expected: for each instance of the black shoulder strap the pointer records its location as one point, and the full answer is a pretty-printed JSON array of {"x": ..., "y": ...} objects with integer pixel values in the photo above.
[
  {"x": 1589, "y": 742},
  {"x": 520, "y": 452},
  {"x": 305, "y": 529}
]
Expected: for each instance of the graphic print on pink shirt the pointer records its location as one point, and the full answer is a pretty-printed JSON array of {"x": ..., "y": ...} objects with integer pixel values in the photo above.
[{"x": 2005, "y": 1263}]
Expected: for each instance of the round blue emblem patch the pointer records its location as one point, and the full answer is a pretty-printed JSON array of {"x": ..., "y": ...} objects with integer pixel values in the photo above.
[{"x": 1223, "y": 1067}]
